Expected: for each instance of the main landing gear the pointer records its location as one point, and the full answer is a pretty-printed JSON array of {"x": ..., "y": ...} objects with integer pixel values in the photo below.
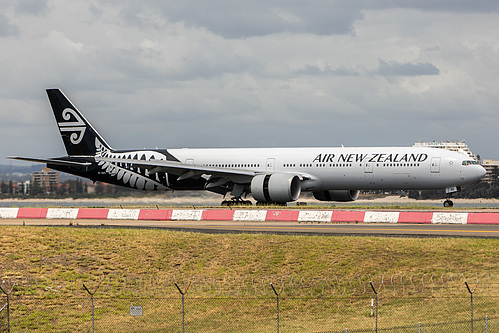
[
  {"x": 265, "y": 203},
  {"x": 236, "y": 202},
  {"x": 237, "y": 192}
]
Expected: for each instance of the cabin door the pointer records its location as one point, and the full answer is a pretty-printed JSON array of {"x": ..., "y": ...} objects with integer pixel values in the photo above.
[
  {"x": 435, "y": 165},
  {"x": 270, "y": 167}
]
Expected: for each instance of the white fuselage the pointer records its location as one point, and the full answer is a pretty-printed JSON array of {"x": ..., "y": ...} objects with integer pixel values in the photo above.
[{"x": 361, "y": 168}]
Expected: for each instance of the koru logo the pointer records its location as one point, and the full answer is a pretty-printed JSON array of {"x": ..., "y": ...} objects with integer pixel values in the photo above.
[{"x": 77, "y": 127}]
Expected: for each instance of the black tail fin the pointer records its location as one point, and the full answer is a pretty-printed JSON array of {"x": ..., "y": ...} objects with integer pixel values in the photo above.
[{"x": 77, "y": 133}]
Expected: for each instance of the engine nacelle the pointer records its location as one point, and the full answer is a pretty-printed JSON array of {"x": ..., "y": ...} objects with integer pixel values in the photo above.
[
  {"x": 337, "y": 195},
  {"x": 278, "y": 187}
]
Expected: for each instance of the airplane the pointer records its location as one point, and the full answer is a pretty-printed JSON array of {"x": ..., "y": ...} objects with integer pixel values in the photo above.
[{"x": 270, "y": 175}]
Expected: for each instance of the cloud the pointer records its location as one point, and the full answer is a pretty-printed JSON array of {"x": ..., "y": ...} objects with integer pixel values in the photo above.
[
  {"x": 242, "y": 19},
  {"x": 394, "y": 68},
  {"x": 6, "y": 28},
  {"x": 449, "y": 6},
  {"x": 327, "y": 70},
  {"x": 32, "y": 7}
]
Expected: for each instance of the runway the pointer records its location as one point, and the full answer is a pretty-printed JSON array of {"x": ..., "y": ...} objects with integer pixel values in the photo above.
[{"x": 288, "y": 228}]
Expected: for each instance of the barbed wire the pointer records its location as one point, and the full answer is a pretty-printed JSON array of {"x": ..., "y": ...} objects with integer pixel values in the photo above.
[{"x": 253, "y": 286}]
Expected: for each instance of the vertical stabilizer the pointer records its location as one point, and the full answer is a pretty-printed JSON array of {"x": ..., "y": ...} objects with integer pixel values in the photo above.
[{"x": 78, "y": 135}]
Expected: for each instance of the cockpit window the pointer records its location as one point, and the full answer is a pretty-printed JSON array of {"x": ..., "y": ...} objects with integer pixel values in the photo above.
[{"x": 470, "y": 162}]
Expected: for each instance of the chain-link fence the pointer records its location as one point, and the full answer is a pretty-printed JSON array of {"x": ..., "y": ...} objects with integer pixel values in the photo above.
[
  {"x": 257, "y": 305},
  {"x": 4, "y": 316},
  {"x": 336, "y": 314}
]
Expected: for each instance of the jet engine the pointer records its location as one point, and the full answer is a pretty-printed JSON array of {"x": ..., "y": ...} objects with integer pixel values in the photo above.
[
  {"x": 278, "y": 187},
  {"x": 337, "y": 195}
]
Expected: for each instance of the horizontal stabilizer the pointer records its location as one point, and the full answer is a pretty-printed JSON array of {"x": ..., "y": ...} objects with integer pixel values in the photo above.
[{"x": 51, "y": 161}]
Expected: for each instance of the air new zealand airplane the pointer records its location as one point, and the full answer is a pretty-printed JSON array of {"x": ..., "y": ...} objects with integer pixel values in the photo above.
[{"x": 272, "y": 175}]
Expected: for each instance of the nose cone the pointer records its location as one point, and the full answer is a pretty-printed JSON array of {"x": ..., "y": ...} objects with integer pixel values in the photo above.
[{"x": 481, "y": 171}]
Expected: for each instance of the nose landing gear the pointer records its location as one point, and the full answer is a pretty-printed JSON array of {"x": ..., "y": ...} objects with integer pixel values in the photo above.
[
  {"x": 449, "y": 192},
  {"x": 448, "y": 203}
]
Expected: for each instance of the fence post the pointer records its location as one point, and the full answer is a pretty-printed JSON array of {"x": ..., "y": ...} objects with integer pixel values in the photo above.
[
  {"x": 183, "y": 302},
  {"x": 471, "y": 293},
  {"x": 92, "y": 297},
  {"x": 7, "y": 305},
  {"x": 277, "y": 294},
  {"x": 486, "y": 324},
  {"x": 376, "y": 307}
]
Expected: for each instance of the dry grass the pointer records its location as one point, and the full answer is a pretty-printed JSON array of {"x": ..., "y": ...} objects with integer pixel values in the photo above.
[
  {"x": 79, "y": 252},
  {"x": 55, "y": 253}
]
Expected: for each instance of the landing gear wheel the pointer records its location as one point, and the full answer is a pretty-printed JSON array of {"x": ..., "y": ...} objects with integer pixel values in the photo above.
[
  {"x": 448, "y": 203},
  {"x": 269, "y": 203},
  {"x": 237, "y": 203}
]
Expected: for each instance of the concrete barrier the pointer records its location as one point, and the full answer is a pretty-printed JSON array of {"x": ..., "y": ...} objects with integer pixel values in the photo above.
[
  {"x": 450, "y": 218},
  {"x": 282, "y": 215},
  {"x": 186, "y": 215},
  {"x": 123, "y": 214},
  {"x": 483, "y": 218},
  {"x": 92, "y": 213},
  {"x": 315, "y": 216},
  {"x": 347, "y": 216},
  {"x": 257, "y": 215},
  {"x": 62, "y": 213},
  {"x": 9, "y": 213},
  {"x": 217, "y": 215},
  {"x": 381, "y": 217},
  {"x": 32, "y": 213},
  {"x": 155, "y": 214},
  {"x": 415, "y": 217},
  {"x": 249, "y": 215}
]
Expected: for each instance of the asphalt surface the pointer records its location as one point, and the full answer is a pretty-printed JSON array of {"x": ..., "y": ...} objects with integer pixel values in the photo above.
[{"x": 288, "y": 228}]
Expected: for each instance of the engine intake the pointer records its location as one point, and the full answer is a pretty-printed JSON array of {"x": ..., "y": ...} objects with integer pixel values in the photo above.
[
  {"x": 278, "y": 187},
  {"x": 337, "y": 195}
]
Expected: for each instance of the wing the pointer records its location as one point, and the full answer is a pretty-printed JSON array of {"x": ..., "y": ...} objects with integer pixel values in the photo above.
[{"x": 216, "y": 175}]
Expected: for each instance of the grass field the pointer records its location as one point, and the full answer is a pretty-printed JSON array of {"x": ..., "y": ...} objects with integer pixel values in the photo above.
[
  {"x": 79, "y": 252},
  {"x": 86, "y": 254}
]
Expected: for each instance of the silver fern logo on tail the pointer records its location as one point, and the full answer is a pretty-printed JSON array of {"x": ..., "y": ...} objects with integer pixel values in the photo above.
[
  {"x": 76, "y": 127},
  {"x": 126, "y": 176}
]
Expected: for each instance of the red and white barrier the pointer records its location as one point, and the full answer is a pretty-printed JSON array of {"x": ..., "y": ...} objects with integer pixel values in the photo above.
[{"x": 247, "y": 215}]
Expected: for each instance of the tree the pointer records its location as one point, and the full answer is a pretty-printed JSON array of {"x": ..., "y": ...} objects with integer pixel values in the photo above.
[
  {"x": 4, "y": 188},
  {"x": 414, "y": 194},
  {"x": 62, "y": 189},
  {"x": 36, "y": 189}
]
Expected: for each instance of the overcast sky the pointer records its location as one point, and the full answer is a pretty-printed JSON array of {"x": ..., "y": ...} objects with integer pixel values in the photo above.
[{"x": 170, "y": 74}]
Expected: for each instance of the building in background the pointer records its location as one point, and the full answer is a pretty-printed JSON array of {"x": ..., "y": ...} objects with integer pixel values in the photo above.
[
  {"x": 47, "y": 179},
  {"x": 460, "y": 147},
  {"x": 492, "y": 168},
  {"x": 23, "y": 187}
]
